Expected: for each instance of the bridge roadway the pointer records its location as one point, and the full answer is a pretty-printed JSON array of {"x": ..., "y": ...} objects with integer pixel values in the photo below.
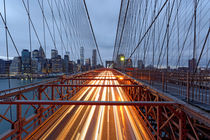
[{"x": 95, "y": 122}]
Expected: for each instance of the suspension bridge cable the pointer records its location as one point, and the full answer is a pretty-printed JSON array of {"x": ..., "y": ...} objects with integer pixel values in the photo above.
[
  {"x": 124, "y": 22},
  {"x": 117, "y": 31},
  {"x": 204, "y": 44},
  {"x": 148, "y": 28},
  {"x": 27, "y": 11},
  {"x": 94, "y": 38},
  {"x": 13, "y": 42}
]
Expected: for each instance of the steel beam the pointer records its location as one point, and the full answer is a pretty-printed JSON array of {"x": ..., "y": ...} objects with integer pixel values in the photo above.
[
  {"x": 64, "y": 85},
  {"x": 93, "y": 79},
  {"x": 97, "y": 76},
  {"x": 58, "y": 102}
]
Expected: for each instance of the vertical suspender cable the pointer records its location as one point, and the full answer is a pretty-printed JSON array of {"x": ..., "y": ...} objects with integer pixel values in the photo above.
[{"x": 6, "y": 37}]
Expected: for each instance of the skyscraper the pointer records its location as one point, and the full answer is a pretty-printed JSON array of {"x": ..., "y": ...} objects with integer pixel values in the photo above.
[
  {"x": 87, "y": 64},
  {"x": 94, "y": 60},
  {"x": 54, "y": 53},
  {"x": 35, "y": 54},
  {"x": 26, "y": 61},
  {"x": 42, "y": 61},
  {"x": 140, "y": 64},
  {"x": 57, "y": 64},
  {"x": 15, "y": 67},
  {"x": 66, "y": 63},
  {"x": 82, "y": 55},
  {"x": 2, "y": 66},
  {"x": 41, "y": 53},
  {"x": 192, "y": 64},
  {"x": 128, "y": 63}
]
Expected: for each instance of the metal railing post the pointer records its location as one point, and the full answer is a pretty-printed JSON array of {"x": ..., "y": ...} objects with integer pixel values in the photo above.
[
  {"x": 18, "y": 125},
  {"x": 163, "y": 81},
  {"x": 188, "y": 87}
]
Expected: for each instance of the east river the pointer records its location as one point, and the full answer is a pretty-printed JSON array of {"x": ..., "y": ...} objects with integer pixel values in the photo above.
[{"x": 4, "y": 84}]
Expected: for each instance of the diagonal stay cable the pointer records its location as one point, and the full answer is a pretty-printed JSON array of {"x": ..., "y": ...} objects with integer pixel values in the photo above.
[
  {"x": 13, "y": 42},
  {"x": 123, "y": 28},
  {"x": 117, "y": 32},
  {"x": 149, "y": 28},
  {"x": 24, "y": 4},
  {"x": 91, "y": 27},
  {"x": 204, "y": 44},
  {"x": 56, "y": 24}
]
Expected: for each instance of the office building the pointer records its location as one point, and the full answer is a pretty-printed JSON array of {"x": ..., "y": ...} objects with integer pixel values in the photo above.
[
  {"x": 26, "y": 61},
  {"x": 192, "y": 65},
  {"x": 57, "y": 66},
  {"x": 94, "y": 59},
  {"x": 82, "y": 55},
  {"x": 35, "y": 54},
  {"x": 87, "y": 64},
  {"x": 66, "y": 63},
  {"x": 128, "y": 63},
  {"x": 140, "y": 64},
  {"x": 15, "y": 67},
  {"x": 4, "y": 66},
  {"x": 54, "y": 53},
  {"x": 35, "y": 66},
  {"x": 41, "y": 53}
]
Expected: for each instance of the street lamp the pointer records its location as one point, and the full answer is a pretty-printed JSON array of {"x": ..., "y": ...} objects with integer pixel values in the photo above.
[{"x": 122, "y": 58}]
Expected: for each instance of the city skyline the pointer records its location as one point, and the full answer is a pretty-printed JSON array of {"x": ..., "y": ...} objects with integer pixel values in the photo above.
[
  {"x": 104, "y": 69},
  {"x": 36, "y": 62},
  {"x": 95, "y": 10}
]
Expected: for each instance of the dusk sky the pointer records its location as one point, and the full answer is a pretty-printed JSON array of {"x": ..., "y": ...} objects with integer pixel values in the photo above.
[
  {"x": 103, "y": 14},
  {"x": 104, "y": 17}
]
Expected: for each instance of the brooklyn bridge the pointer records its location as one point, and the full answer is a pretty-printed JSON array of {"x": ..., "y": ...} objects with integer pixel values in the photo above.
[{"x": 61, "y": 79}]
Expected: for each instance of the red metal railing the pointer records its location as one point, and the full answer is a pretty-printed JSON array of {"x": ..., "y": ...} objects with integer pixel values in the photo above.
[
  {"x": 165, "y": 116},
  {"x": 190, "y": 87}
]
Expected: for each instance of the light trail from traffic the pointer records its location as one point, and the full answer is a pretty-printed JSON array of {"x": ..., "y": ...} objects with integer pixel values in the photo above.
[{"x": 95, "y": 122}]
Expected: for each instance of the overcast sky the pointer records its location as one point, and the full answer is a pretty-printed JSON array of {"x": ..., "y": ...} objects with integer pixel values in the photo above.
[
  {"x": 104, "y": 17},
  {"x": 103, "y": 14}
]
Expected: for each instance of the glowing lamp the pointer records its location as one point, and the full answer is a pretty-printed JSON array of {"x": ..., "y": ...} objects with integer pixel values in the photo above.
[
  {"x": 121, "y": 78},
  {"x": 122, "y": 58}
]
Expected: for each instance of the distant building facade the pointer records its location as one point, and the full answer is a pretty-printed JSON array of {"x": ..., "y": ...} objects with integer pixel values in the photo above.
[
  {"x": 57, "y": 64},
  {"x": 192, "y": 65},
  {"x": 87, "y": 64},
  {"x": 120, "y": 63},
  {"x": 128, "y": 63},
  {"x": 109, "y": 64},
  {"x": 54, "y": 53},
  {"x": 140, "y": 64},
  {"x": 35, "y": 66},
  {"x": 35, "y": 54},
  {"x": 82, "y": 55},
  {"x": 26, "y": 61},
  {"x": 94, "y": 58},
  {"x": 16, "y": 65},
  {"x": 4, "y": 66},
  {"x": 66, "y": 63},
  {"x": 42, "y": 66}
]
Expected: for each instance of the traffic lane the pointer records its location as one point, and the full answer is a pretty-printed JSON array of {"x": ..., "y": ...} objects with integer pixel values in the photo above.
[
  {"x": 71, "y": 114},
  {"x": 46, "y": 127},
  {"x": 115, "y": 125},
  {"x": 82, "y": 125},
  {"x": 123, "y": 122},
  {"x": 139, "y": 130}
]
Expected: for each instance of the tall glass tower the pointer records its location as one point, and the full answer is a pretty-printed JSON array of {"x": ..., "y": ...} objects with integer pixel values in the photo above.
[{"x": 82, "y": 55}]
